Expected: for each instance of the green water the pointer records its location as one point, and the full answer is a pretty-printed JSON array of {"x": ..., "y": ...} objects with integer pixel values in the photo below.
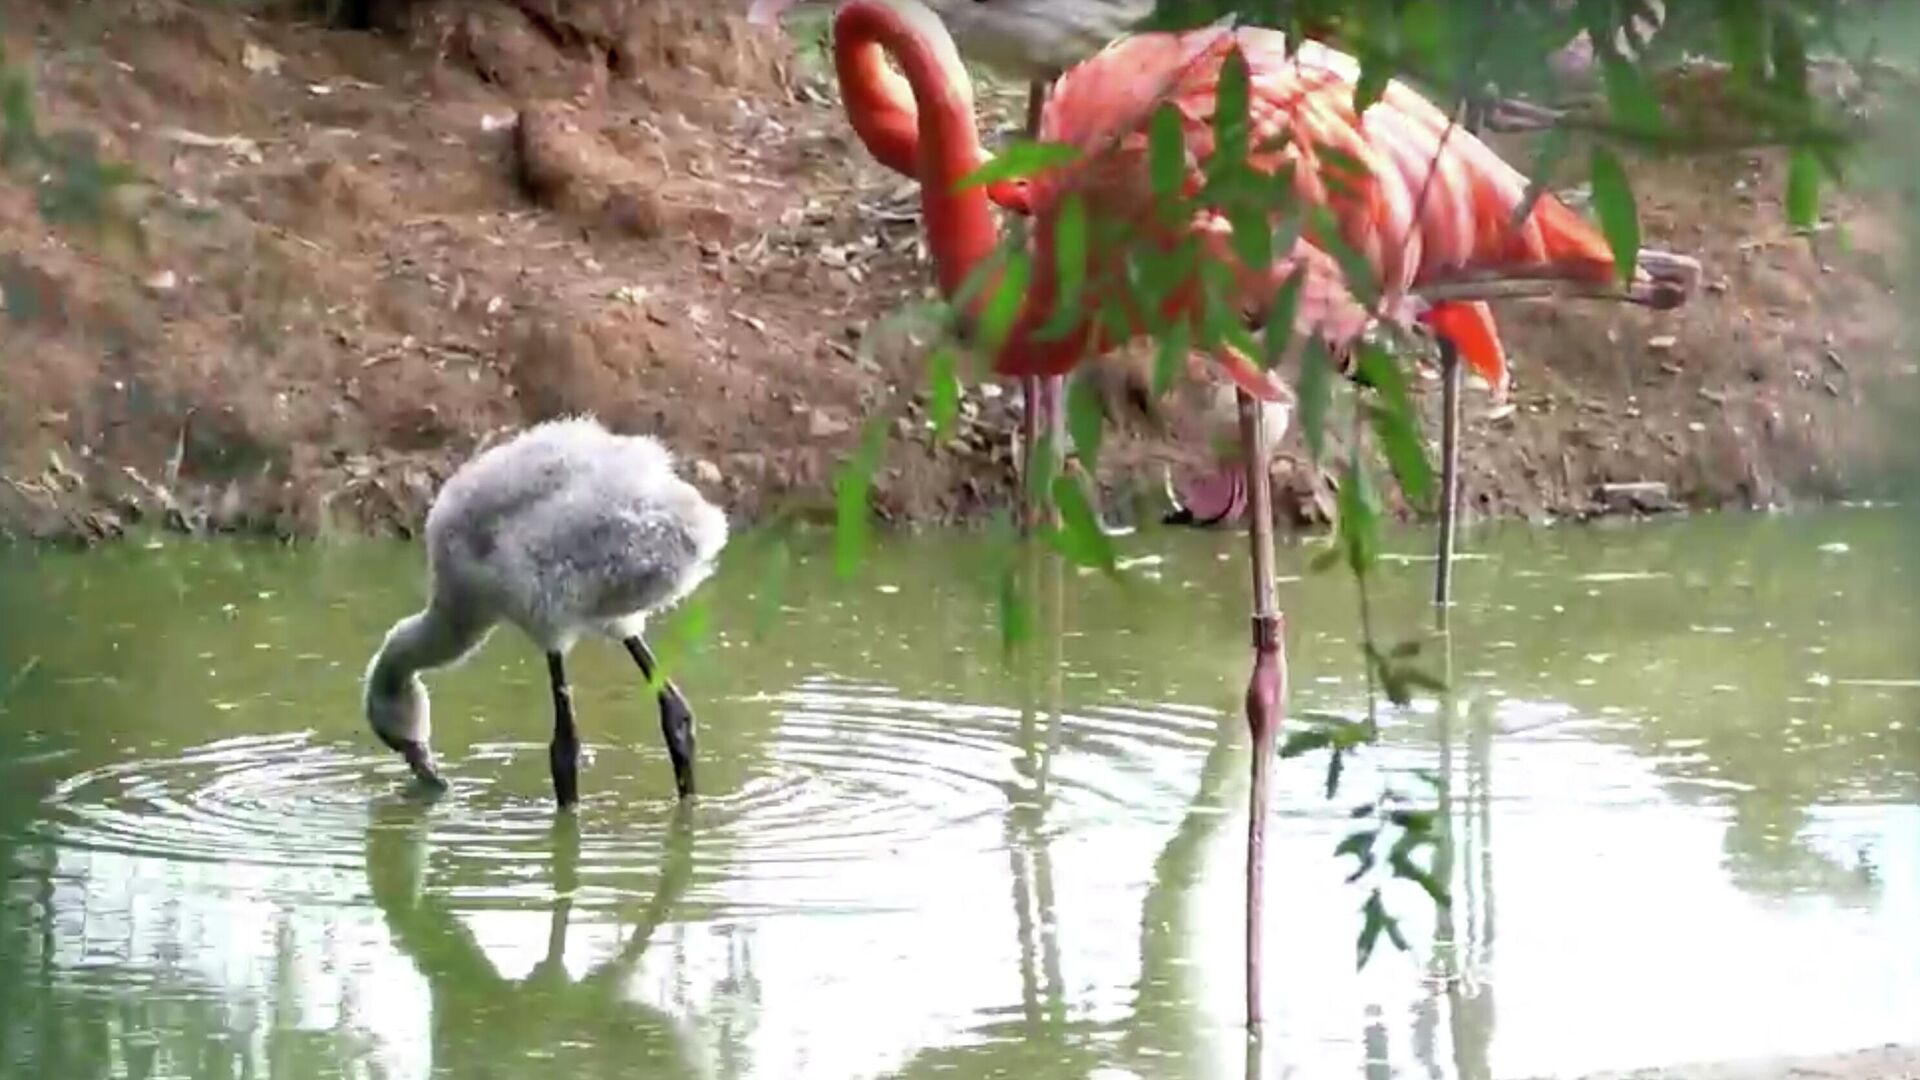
[{"x": 1683, "y": 770}]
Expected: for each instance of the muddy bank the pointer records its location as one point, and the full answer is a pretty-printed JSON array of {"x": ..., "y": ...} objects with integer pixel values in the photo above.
[{"x": 366, "y": 253}]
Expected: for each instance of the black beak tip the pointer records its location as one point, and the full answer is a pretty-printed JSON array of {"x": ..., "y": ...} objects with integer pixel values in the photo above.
[{"x": 419, "y": 759}]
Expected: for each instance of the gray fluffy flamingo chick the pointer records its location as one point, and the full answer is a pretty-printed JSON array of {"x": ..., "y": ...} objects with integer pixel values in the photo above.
[{"x": 564, "y": 530}]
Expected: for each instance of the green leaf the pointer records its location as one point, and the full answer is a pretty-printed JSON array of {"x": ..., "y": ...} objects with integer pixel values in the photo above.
[
  {"x": 1084, "y": 419},
  {"x": 1357, "y": 844},
  {"x": 1394, "y": 421},
  {"x": 1324, "y": 231},
  {"x": 1555, "y": 143},
  {"x": 1016, "y": 614},
  {"x": 1070, "y": 267},
  {"x": 1004, "y": 305},
  {"x": 1280, "y": 316},
  {"x": 1359, "y": 515},
  {"x": 943, "y": 395},
  {"x": 1018, "y": 159},
  {"x": 1230, "y": 115},
  {"x": 1376, "y": 70},
  {"x": 1742, "y": 22},
  {"x": 1360, "y": 846},
  {"x": 1239, "y": 337},
  {"x": 1174, "y": 345},
  {"x": 1423, "y": 679},
  {"x": 1166, "y": 152},
  {"x": 1803, "y": 188},
  {"x": 1315, "y": 393},
  {"x": 1789, "y": 59},
  {"x": 1305, "y": 741},
  {"x": 1423, "y": 26},
  {"x": 1374, "y": 919},
  {"x": 1613, "y": 201},
  {"x": 1079, "y": 536},
  {"x": 1252, "y": 235},
  {"x": 1630, "y": 99},
  {"x": 1418, "y": 825},
  {"x": 1041, "y": 467},
  {"x": 1405, "y": 868},
  {"x": 979, "y": 278},
  {"x": 1217, "y": 313},
  {"x": 1391, "y": 684},
  {"x": 852, "y": 484},
  {"x": 1113, "y": 319}
]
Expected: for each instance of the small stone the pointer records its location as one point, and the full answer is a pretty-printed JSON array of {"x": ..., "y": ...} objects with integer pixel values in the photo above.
[
  {"x": 259, "y": 59},
  {"x": 1662, "y": 343},
  {"x": 706, "y": 472}
]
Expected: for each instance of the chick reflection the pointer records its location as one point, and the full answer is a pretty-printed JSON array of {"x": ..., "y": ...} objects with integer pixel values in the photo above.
[{"x": 485, "y": 1025}]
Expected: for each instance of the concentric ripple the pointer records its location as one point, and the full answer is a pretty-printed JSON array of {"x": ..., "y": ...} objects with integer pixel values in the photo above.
[
  {"x": 859, "y": 768},
  {"x": 270, "y": 800},
  {"x": 854, "y": 773}
]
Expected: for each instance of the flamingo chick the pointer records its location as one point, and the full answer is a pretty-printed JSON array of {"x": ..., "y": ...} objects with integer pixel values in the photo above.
[{"x": 563, "y": 530}]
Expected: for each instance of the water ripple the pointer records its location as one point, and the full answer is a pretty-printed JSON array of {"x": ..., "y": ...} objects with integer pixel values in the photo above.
[{"x": 856, "y": 774}]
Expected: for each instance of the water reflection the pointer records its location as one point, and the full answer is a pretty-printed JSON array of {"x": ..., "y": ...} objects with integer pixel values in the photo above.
[
  {"x": 485, "y": 1023},
  {"x": 913, "y": 861}
]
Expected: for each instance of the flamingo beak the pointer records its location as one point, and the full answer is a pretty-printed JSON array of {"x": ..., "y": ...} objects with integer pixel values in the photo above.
[
  {"x": 1179, "y": 514},
  {"x": 418, "y": 758}
]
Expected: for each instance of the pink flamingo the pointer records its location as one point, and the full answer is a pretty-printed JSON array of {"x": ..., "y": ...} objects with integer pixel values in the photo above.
[{"x": 1433, "y": 212}]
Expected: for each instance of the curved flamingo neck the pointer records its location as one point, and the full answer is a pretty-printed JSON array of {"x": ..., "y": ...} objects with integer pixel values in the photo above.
[
  {"x": 884, "y": 109},
  {"x": 929, "y": 135}
]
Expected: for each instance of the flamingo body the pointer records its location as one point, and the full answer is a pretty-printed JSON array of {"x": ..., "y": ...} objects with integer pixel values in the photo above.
[
  {"x": 564, "y": 530},
  {"x": 1429, "y": 198}
]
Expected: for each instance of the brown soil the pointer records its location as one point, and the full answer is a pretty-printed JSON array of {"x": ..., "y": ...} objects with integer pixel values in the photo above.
[{"x": 365, "y": 253}]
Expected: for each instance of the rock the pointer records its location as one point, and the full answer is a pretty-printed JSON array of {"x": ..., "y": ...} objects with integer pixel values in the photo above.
[
  {"x": 706, "y": 472},
  {"x": 1645, "y": 496},
  {"x": 825, "y": 425}
]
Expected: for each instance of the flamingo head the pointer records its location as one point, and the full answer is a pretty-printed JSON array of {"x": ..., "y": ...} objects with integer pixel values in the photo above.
[{"x": 401, "y": 716}]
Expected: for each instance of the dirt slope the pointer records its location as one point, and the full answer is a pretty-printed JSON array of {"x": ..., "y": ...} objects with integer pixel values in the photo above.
[{"x": 369, "y": 252}]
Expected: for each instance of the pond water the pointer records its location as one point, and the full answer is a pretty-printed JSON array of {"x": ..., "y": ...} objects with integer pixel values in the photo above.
[{"x": 1683, "y": 775}]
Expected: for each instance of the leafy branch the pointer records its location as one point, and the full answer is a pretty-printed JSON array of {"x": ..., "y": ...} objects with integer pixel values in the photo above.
[{"x": 1121, "y": 269}]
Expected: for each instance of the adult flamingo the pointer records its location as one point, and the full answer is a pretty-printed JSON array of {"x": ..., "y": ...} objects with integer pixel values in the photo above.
[
  {"x": 1033, "y": 40},
  {"x": 1433, "y": 210},
  {"x": 1037, "y": 39}
]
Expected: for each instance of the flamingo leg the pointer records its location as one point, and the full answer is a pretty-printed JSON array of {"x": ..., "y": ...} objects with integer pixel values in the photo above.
[
  {"x": 563, "y": 754},
  {"x": 676, "y": 717},
  {"x": 1267, "y": 687},
  {"x": 1449, "y": 476}
]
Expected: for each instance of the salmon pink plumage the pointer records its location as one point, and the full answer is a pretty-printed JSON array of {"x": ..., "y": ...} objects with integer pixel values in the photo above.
[{"x": 1428, "y": 206}]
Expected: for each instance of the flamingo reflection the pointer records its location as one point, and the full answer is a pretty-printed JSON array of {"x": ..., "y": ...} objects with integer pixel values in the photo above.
[{"x": 485, "y": 1024}]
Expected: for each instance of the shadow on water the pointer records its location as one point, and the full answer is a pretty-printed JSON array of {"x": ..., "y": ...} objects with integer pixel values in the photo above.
[{"x": 910, "y": 860}]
